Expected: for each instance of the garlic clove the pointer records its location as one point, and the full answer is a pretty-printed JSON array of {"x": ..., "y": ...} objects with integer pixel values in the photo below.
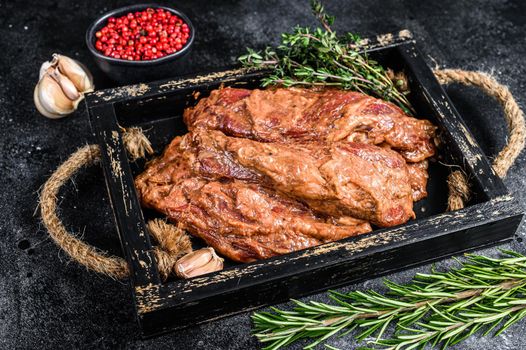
[
  {"x": 66, "y": 84},
  {"x": 212, "y": 266},
  {"x": 194, "y": 260},
  {"x": 198, "y": 263},
  {"x": 76, "y": 72},
  {"x": 50, "y": 100}
]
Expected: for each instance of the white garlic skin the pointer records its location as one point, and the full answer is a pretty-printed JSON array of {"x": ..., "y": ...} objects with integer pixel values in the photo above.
[
  {"x": 44, "y": 68},
  {"x": 198, "y": 262},
  {"x": 62, "y": 84}
]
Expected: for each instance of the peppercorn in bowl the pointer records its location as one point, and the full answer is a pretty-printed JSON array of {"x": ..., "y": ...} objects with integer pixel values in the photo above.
[{"x": 141, "y": 42}]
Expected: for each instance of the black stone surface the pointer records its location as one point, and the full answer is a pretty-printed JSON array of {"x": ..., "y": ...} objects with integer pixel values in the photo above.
[{"x": 46, "y": 301}]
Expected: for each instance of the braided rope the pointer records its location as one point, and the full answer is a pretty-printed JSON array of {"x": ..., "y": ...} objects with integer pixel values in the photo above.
[
  {"x": 457, "y": 182},
  {"x": 81, "y": 252},
  {"x": 173, "y": 242}
]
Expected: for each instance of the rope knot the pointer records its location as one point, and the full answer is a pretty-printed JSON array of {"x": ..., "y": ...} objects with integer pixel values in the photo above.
[
  {"x": 173, "y": 241},
  {"x": 136, "y": 143},
  {"x": 458, "y": 190},
  {"x": 173, "y": 244}
]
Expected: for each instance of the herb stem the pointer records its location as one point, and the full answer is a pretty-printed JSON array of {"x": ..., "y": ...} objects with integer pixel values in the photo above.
[
  {"x": 319, "y": 57},
  {"x": 459, "y": 296}
]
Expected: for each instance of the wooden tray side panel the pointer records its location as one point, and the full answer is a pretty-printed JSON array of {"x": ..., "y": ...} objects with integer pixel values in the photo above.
[
  {"x": 464, "y": 149},
  {"x": 358, "y": 268},
  {"x": 131, "y": 228}
]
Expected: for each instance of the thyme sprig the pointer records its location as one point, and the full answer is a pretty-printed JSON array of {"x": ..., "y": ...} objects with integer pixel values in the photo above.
[
  {"x": 436, "y": 308},
  {"x": 312, "y": 57}
]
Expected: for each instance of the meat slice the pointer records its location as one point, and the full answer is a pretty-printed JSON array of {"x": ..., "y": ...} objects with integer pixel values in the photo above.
[
  {"x": 242, "y": 221},
  {"x": 292, "y": 114},
  {"x": 338, "y": 178},
  {"x": 418, "y": 178}
]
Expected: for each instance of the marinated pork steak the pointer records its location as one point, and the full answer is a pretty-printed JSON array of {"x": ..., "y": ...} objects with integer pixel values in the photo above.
[
  {"x": 242, "y": 221},
  {"x": 288, "y": 114},
  {"x": 336, "y": 178},
  {"x": 268, "y": 172}
]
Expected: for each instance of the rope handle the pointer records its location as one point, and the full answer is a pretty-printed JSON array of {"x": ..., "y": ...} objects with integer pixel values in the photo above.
[
  {"x": 457, "y": 183},
  {"x": 117, "y": 268},
  {"x": 173, "y": 243}
]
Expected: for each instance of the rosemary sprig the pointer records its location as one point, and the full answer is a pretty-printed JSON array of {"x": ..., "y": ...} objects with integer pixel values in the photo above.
[
  {"x": 321, "y": 57},
  {"x": 437, "y": 308}
]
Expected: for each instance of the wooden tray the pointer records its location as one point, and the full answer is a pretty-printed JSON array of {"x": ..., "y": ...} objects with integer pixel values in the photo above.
[{"x": 492, "y": 215}]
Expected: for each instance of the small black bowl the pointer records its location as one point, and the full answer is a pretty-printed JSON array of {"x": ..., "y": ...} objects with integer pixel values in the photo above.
[{"x": 129, "y": 72}]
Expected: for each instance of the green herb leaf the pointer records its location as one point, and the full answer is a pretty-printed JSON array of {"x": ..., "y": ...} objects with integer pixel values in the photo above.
[
  {"x": 437, "y": 308},
  {"x": 320, "y": 57}
]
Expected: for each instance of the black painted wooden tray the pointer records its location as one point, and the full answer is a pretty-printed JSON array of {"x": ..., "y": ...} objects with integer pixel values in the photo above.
[{"x": 491, "y": 216}]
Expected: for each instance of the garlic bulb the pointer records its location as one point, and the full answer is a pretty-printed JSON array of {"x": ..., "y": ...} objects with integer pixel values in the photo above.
[
  {"x": 62, "y": 84},
  {"x": 198, "y": 263}
]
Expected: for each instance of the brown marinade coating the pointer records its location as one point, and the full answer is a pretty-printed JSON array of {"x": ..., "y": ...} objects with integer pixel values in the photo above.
[
  {"x": 243, "y": 221},
  {"x": 267, "y": 172}
]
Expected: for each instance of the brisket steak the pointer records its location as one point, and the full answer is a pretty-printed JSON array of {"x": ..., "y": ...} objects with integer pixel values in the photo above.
[
  {"x": 242, "y": 221},
  {"x": 267, "y": 172},
  {"x": 338, "y": 178},
  {"x": 287, "y": 114}
]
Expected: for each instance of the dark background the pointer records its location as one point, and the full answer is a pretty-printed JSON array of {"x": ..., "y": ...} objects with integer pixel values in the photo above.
[{"x": 46, "y": 301}]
